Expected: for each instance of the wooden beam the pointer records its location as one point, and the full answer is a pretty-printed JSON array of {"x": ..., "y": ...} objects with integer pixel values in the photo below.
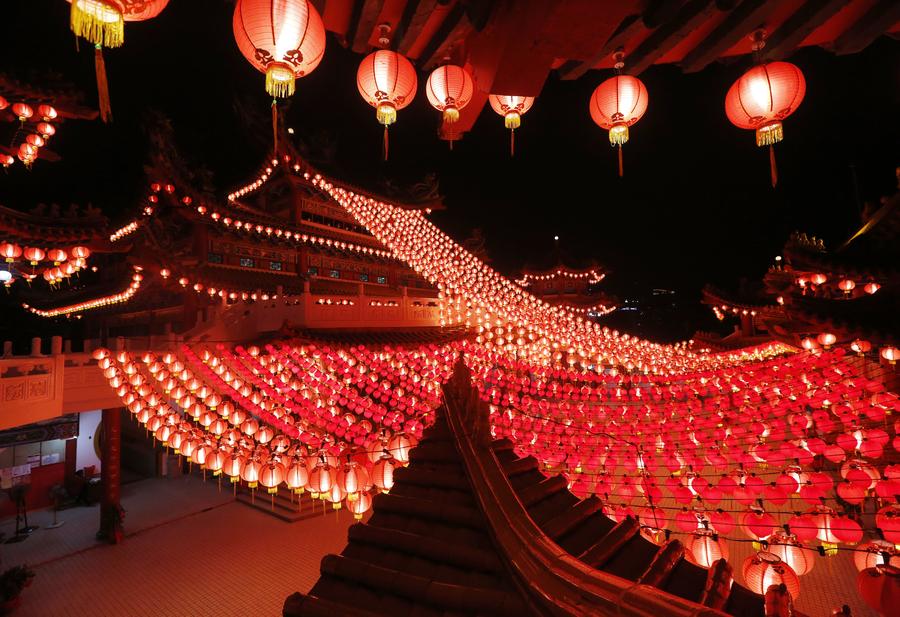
[
  {"x": 353, "y": 25},
  {"x": 453, "y": 20},
  {"x": 869, "y": 27},
  {"x": 415, "y": 14},
  {"x": 664, "y": 38},
  {"x": 743, "y": 20},
  {"x": 365, "y": 24},
  {"x": 627, "y": 29},
  {"x": 800, "y": 25}
]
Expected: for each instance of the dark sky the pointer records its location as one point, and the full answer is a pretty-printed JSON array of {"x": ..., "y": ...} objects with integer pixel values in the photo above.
[{"x": 695, "y": 205}]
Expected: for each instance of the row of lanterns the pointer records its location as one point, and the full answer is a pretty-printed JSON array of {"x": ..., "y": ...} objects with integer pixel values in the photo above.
[
  {"x": 35, "y": 137},
  {"x": 286, "y": 40}
]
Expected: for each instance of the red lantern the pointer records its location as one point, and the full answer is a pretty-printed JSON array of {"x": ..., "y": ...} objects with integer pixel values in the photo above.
[
  {"x": 766, "y": 569},
  {"x": 271, "y": 475},
  {"x": 22, "y": 111},
  {"x": 871, "y": 288},
  {"x": 46, "y": 130},
  {"x": 250, "y": 473},
  {"x": 763, "y": 97},
  {"x": 80, "y": 252},
  {"x": 891, "y": 354},
  {"x": 880, "y": 588},
  {"x": 792, "y": 552},
  {"x": 46, "y": 112},
  {"x": 847, "y": 285},
  {"x": 387, "y": 81},
  {"x": 285, "y": 39},
  {"x": 6, "y": 159},
  {"x": 3, "y": 103},
  {"x": 616, "y": 104},
  {"x": 876, "y": 554},
  {"x": 360, "y": 506},
  {"x": 27, "y": 153},
  {"x": 57, "y": 256},
  {"x": 35, "y": 140},
  {"x": 449, "y": 89},
  {"x": 383, "y": 474},
  {"x": 512, "y": 108},
  {"x": 861, "y": 347},
  {"x": 10, "y": 252},
  {"x": 704, "y": 548}
]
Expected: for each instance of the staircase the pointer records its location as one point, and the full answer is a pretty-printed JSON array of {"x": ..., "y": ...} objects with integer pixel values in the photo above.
[{"x": 284, "y": 505}]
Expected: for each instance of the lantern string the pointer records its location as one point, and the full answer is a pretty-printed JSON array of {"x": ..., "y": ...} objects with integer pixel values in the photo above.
[{"x": 102, "y": 85}]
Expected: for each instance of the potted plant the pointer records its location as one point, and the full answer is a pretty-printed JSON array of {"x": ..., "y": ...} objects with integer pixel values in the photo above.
[{"x": 12, "y": 582}]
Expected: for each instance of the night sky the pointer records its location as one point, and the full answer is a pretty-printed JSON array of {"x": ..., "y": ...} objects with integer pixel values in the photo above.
[{"x": 695, "y": 205}]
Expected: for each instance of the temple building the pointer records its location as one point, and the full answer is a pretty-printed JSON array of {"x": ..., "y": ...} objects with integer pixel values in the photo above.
[{"x": 336, "y": 378}]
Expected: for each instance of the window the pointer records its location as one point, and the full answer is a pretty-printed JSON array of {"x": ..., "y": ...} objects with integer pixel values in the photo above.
[
  {"x": 312, "y": 271},
  {"x": 382, "y": 280},
  {"x": 335, "y": 274},
  {"x": 275, "y": 265},
  {"x": 214, "y": 258},
  {"x": 364, "y": 278},
  {"x": 248, "y": 262}
]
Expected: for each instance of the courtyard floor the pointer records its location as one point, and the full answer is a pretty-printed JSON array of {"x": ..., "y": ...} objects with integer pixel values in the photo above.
[{"x": 189, "y": 550}]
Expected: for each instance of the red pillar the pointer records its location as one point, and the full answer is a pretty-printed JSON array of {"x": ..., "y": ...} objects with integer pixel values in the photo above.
[{"x": 111, "y": 512}]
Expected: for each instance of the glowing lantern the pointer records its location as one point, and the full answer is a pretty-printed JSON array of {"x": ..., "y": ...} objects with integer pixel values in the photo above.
[
  {"x": 871, "y": 288},
  {"x": 27, "y": 153},
  {"x": 45, "y": 130},
  {"x": 35, "y": 140},
  {"x": 320, "y": 480},
  {"x": 271, "y": 475},
  {"x": 297, "y": 477},
  {"x": 353, "y": 480},
  {"x": 876, "y": 554},
  {"x": 22, "y": 111},
  {"x": 6, "y": 159},
  {"x": 616, "y": 104},
  {"x": 285, "y": 39},
  {"x": 826, "y": 339},
  {"x": 511, "y": 107},
  {"x": 861, "y": 347},
  {"x": 46, "y": 112},
  {"x": 250, "y": 473},
  {"x": 102, "y": 23},
  {"x": 387, "y": 81},
  {"x": 57, "y": 256},
  {"x": 880, "y": 588},
  {"x": 763, "y": 97},
  {"x": 766, "y": 569},
  {"x": 818, "y": 279},
  {"x": 80, "y": 252},
  {"x": 705, "y": 548},
  {"x": 449, "y": 89},
  {"x": 891, "y": 354},
  {"x": 792, "y": 552},
  {"x": 33, "y": 254},
  {"x": 847, "y": 285},
  {"x": 359, "y": 506},
  {"x": 10, "y": 252},
  {"x": 399, "y": 447},
  {"x": 3, "y": 103},
  {"x": 383, "y": 474}
]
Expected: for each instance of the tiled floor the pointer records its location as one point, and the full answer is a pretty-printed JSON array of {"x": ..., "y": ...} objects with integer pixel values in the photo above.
[{"x": 190, "y": 550}]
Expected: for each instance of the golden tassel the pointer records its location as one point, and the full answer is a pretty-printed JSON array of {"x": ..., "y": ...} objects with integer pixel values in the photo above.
[
  {"x": 102, "y": 85},
  {"x": 621, "y": 166},
  {"x": 773, "y": 168},
  {"x": 101, "y": 23},
  {"x": 280, "y": 80}
]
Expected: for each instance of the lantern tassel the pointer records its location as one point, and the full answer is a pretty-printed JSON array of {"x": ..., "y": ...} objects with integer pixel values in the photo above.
[
  {"x": 102, "y": 85},
  {"x": 512, "y": 142},
  {"x": 384, "y": 142},
  {"x": 773, "y": 167},
  {"x": 621, "y": 166},
  {"x": 275, "y": 126}
]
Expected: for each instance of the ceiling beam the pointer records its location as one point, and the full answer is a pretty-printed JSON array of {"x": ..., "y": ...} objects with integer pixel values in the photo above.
[
  {"x": 451, "y": 23},
  {"x": 691, "y": 15},
  {"x": 627, "y": 29},
  {"x": 415, "y": 15},
  {"x": 875, "y": 22},
  {"x": 743, "y": 20},
  {"x": 800, "y": 25},
  {"x": 365, "y": 24}
]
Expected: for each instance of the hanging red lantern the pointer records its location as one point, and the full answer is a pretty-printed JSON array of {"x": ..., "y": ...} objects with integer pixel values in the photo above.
[
  {"x": 512, "y": 108},
  {"x": 35, "y": 140},
  {"x": 46, "y": 130},
  {"x": 449, "y": 89},
  {"x": 880, "y": 588},
  {"x": 57, "y": 256},
  {"x": 891, "y": 354},
  {"x": 876, "y": 554},
  {"x": 10, "y": 252},
  {"x": 46, "y": 112},
  {"x": 359, "y": 506},
  {"x": 765, "y": 569},
  {"x": 22, "y": 111},
  {"x": 6, "y": 159},
  {"x": 3, "y": 103},
  {"x": 27, "y": 153},
  {"x": 792, "y": 552},
  {"x": 387, "y": 81},
  {"x": 285, "y": 39},
  {"x": 704, "y": 547},
  {"x": 871, "y": 288},
  {"x": 616, "y": 104},
  {"x": 763, "y": 97},
  {"x": 102, "y": 23}
]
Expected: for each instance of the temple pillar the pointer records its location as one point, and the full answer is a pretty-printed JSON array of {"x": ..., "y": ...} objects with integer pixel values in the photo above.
[{"x": 111, "y": 512}]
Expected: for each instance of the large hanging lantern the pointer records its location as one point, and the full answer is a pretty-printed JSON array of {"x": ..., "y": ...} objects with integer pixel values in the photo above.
[
  {"x": 387, "y": 81},
  {"x": 763, "y": 97},
  {"x": 449, "y": 89},
  {"x": 284, "y": 39},
  {"x": 879, "y": 587},
  {"x": 511, "y": 107},
  {"x": 102, "y": 23},
  {"x": 616, "y": 104},
  {"x": 764, "y": 569}
]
